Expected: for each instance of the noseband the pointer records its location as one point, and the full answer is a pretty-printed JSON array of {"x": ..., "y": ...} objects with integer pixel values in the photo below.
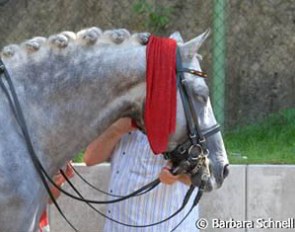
[{"x": 190, "y": 156}]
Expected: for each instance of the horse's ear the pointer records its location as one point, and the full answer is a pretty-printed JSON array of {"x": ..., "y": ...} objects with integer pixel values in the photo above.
[
  {"x": 191, "y": 47},
  {"x": 176, "y": 36}
]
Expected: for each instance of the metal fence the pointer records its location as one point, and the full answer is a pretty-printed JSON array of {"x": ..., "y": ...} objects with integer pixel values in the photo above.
[
  {"x": 249, "y": 57},
  {"x": 259, "y": 71}
]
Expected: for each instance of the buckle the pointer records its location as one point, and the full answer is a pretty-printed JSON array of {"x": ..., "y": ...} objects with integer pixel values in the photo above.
[
  {"x": 202, "y": 140},
  {"x": 192, "y": 136},
  {"x": 181, "y": 150},
  {"x": 195, "y": 151},
  {"x": 205, "y": 152},
  {"x": 194, "y": 72}
]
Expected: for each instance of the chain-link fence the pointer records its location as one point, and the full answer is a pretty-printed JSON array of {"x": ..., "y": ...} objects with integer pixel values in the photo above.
[
  {"x": 249, "y": 57},
  {"x": 260, "y": 53}
]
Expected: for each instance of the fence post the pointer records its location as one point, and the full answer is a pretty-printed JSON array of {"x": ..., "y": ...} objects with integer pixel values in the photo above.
[{"x": 218, "y": 82}]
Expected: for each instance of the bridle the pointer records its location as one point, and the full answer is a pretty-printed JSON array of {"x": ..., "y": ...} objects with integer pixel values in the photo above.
[{"x": 189, "y": 157}]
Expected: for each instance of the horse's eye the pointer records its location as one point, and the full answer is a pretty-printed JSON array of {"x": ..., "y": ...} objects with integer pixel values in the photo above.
[{"x": 203, "y": 99}]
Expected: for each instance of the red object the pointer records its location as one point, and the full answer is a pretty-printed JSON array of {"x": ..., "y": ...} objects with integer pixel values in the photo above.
[
  {"x": 43, "y": 220},
  {"x": 160, "y": 105},
  {"x": 133, "y": 124}
]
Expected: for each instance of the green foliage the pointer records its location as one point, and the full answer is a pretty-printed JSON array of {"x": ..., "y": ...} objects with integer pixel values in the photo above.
[
  {"x": 79, "y": 157},
  {"x": 271, "y": 141},
  {"x": 152, "y": 17}
]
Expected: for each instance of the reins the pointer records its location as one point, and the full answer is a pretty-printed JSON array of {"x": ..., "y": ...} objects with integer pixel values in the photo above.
[
  {"x": 91, "y": 185},
  {"x": 17, "y": 111},
  {"x": 184, "y": 203},
  {"x": 106, "y": 193}
]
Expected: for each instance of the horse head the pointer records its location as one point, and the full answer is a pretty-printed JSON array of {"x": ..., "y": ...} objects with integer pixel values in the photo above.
[
  {"x": 214, "y": 158},
  {"x": 218, "y": 162}
]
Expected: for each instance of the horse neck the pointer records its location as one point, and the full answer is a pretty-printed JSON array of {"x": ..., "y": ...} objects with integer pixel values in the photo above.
[{"x": 69, "y": 99}]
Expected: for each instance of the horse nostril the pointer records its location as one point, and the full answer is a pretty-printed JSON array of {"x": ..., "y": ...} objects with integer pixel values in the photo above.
[{"x": 225, "y": 171}]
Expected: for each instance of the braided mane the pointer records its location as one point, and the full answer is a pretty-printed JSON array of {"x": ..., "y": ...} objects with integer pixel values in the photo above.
[{"x": 66, "y": 40}]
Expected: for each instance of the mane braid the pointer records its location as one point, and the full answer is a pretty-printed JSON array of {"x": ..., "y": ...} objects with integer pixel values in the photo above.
[{"x": 85, "y": 38}]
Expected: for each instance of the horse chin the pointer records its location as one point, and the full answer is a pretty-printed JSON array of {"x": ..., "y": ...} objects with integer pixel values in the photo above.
[
  {"x": 210, "y": 185},
  {"x": 196, "y": 181}
]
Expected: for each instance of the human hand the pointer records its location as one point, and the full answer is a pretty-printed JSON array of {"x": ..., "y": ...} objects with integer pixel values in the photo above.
[
  {"x": 59, "y": 180},
  {"x": 166, "y": 177}
]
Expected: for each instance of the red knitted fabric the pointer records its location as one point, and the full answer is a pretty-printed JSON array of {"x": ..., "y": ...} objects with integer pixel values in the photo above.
[{"x": 160, "y": 105}]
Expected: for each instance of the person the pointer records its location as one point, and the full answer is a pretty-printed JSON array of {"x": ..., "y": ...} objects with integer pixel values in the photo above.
[
  {"x": 133, "y": 165},
  {"x": 59, "y": 181}
]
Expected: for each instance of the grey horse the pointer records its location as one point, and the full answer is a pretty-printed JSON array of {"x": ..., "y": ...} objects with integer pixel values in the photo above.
[{"x": 72, "y": 86}]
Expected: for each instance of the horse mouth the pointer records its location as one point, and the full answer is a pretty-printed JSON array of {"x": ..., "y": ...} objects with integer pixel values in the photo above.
[
  {"x": 216, "y": 182},
  {"x": 210, "y": 182},
  {"x": 209, "y": 186}
]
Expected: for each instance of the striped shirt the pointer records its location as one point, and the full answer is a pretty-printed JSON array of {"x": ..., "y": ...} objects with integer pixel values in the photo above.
[{"x": 134, "y": 165}]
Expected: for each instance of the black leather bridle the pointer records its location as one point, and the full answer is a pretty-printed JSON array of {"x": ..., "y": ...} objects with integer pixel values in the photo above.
[
  {"x": 186, "y": 158},
  {"x": 190, "y": 156}
]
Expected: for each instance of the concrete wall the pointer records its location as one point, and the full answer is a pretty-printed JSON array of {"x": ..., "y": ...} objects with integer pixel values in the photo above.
[{"x": 250, "y": 192}]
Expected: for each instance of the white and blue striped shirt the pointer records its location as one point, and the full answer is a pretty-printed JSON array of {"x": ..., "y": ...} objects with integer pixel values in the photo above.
[{"x": 133, "y": 166}]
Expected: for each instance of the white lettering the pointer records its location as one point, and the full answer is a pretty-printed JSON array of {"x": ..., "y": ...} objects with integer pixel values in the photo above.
[
  {"x": 231, "y": 224},
  {"x": 270, "y": 223}
]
